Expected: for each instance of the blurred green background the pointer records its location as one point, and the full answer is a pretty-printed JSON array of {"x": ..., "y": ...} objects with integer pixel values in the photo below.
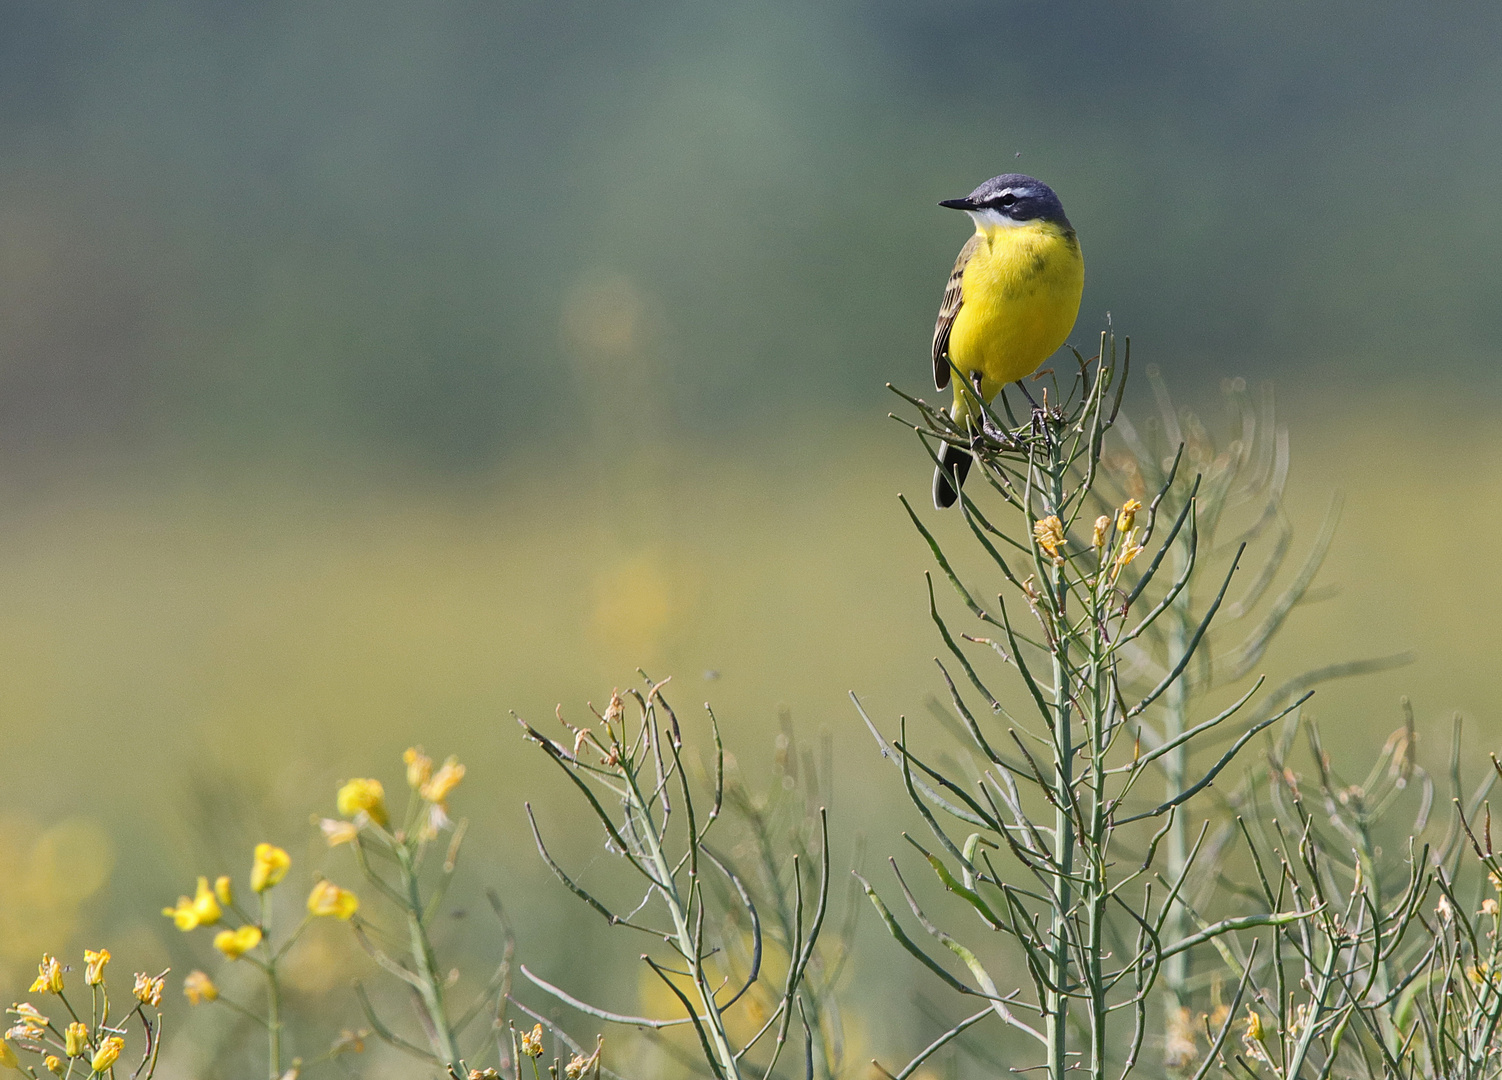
[{"x": 368, "y": 371}]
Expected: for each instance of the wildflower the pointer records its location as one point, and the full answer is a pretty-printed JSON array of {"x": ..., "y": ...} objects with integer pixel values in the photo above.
[
  {"x": 53, "y": 1063},
  {"x": 107, "y": 1054},
  {"x": 93, "y": 965},
  {"x": 1300, "y": 1020},
  {"x": 49, "y": 978},
  {"x": 329, "y": 899},
  {"x": 202, "y": 910},
  {"x": 269, "y": 867},
  {"x": 224, "y": 890},
  {"x": 1251, "y": 1042},
  {"x": 419, "y": 767},
  {"x": 1444, "y": 909},
  {"x": 1098, "y": 538},
  {"x": 445, "y": 780},
  {"x": 1130, "y": 549},
  {"x": 615, "y": 710},
  {"x": 236, "y": 943},
  {"x": 1127, "y": 515},
  {"x": 1489, "y": 907},
  {"x": 1495, "y": 880},
  {"x": 148, "y": 990},
  {"x": 338, "y": 832},
  {"x": 366, "y": 795},
  {"x": 30, "y": 1024},
  {"x": 1049, "y": 533},
  {"x": 9, "y": 1058},
  {"x": 578, "y": 1065},
  {"x": 532, "y": 1042},
  {"x": 199, "y": 987},
  {"x": 75, "y": 1039}
]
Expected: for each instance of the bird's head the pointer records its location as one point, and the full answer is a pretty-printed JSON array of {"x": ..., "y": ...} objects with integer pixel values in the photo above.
[{"x": 1010, "y": 200}]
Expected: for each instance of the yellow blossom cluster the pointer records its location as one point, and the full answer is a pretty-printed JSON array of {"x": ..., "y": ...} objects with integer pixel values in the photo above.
[
  {"x": 1049, "y": 533},
  {"x": 1115, "y": 538},
  {"x": 198, "y": 987},
  {"x": 202, "y": 910},
  {"x": 361, "y": 802},
  {"x": 100, "y": 1047},
  {"x": 329, "y": 899},
  {"x": 269, "y": 866}
]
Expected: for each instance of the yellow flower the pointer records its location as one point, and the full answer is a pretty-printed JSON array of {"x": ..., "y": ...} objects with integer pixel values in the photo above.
[
  {"x": 107, "y": 1054},
  {"x": 367, "y": 795},
  {"x": 49, "y": 978},
  {"x": 53, "y": 1063},
  {"x": 75, "y": 1040},
  {"x": 148, "y": 990},
  {"x": 202, "y": 910},
  {"x": 1253, "y": 1018},
  {"x": 93, "y": 965},
  {"x": 199, "y": 987},
  {"x": 329, "y": 899},
  {"x": 1050, "y": 535},
  {"x": 1130, "y": 549},
  {"x": 236, "y": 943},
  {"x": 444, "y": 781},
  {"x": 532, "y": 1042},
  {"x": 419, "y": 767},
  {"x": 1251, "y": 1041},
  {"x": 269, "y": 867},
  {"x": 8, "y": 1056},
  {"x": 224, "y": 890},
  {"x": 30, "y": 1024},
  {"x": 338, "y": 832},
  {"x": 1098, "y": 539},
  {"x": 1127, "y": 515}
]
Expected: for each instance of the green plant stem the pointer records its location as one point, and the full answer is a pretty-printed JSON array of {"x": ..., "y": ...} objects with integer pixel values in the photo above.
[
  {"x": 431, "y": 988},
  {"x": 273, "y": 998},
  {"x": 1056, "y": 1027},
  {"x": 1175, "y": 768},
  {"x": 688, "y": 944}
]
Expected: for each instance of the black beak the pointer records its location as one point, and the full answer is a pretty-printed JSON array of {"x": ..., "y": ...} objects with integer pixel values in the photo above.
[{"x": 966, "y": 203}]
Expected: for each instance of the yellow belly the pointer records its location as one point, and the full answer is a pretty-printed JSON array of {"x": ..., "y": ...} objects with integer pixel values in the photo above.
[{"x": 1021, "y": 296}]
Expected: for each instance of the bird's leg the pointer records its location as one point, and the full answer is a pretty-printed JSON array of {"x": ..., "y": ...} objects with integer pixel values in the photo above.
[{"x": 987, "y": 427}]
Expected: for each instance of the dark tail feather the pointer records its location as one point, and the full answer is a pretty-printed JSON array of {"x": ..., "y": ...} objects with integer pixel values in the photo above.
[{"x": 954, "y": 466}]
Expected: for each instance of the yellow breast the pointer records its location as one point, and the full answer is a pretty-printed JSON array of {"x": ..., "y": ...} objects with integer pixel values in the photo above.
[{"x": 1021, "y": 294}]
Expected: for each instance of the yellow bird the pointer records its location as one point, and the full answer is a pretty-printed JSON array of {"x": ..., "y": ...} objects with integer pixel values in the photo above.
[{"x": 1011, "y": 301}]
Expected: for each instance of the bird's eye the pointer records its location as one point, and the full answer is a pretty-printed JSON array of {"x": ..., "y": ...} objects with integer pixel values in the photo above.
[{"x": 1008, "y": 199}]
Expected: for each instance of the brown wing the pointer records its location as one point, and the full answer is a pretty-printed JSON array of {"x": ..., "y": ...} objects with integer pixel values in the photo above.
[{"x": 948, "y": 309}]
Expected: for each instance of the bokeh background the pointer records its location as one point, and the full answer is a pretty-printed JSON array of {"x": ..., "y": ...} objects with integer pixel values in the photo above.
[{"x": 370, "y": 370}]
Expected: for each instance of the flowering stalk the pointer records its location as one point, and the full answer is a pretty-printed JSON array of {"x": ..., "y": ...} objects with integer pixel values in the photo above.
[
  {"x": 1245, "y": 468},
  {"x": 638, "y": 763},
  {"x": 368, "y": 828},
  {"x": 251, "y": 940},
  {"x": 90, "y": 1048},
  {"x": 1084, "y": 918}
]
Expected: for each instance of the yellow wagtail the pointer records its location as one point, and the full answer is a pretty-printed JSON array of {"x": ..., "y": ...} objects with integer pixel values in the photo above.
[{"x": 1011, "y": 301}]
